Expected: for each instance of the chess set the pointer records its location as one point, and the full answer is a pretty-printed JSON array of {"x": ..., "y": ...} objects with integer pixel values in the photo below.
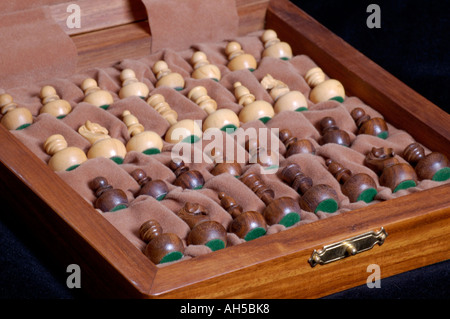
[{"x": 120, "y": 160}]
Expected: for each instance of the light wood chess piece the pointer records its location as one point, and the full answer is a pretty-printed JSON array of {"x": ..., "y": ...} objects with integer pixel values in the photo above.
[
  {"x": 274, "y": 47},
  {"x": 63, "y": 158},
  {"x": 284, "y": 98},
  {"x": 323, "y": 90},
  {"x": 252, "y": 109},
  {"x": 165, "y": 76},
  {"x": 13, "y": 117},
  {"x": 53, "y": 104},
  {"x": 203, "y": 69},
  {"x": 131, "y": 86},
  {"x": 95, "y": 95},
  {"x": 238, "y": 59}
]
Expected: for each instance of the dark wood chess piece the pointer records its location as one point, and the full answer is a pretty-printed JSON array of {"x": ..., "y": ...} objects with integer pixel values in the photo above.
[
  {"x": 161, "y": 247},
  {"x": 223, "y": 165},
  {"x": 246, "y": 225},
  {"x": 204, "y": 231},
  {"x": 332, "y": 134},
  {"x": 294, "y": 145},
  {"x": 373, "y": 126},
  {"x": 108, "y": 199},
  {"x": 185, "y": 178},
  {"x": 155, "y": 188},
  {"x": 355, "y": 186},
  {"x": 314, "y": 198},
  {"x": 283, "y": 210},
  {"x": 392, "y": 172},
  {"x": 434, "y": 166}
]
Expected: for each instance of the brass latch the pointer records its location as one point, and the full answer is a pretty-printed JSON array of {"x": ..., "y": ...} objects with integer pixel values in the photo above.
[{"x": 347, "y": 247}]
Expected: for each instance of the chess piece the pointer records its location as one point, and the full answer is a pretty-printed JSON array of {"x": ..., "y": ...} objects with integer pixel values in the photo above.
[
  {"x": 434, "y": 166},
  {"x": 294, "y": 145},
  {"x": 161, "y": 247},
  {"x": 284, "y": 98},
  {"x": 186, "y": 178},
  {"x": 131, "y": 86},
  {"x": 180, "y": 131},
  {"x": 247, "y": 225},
  {"x": 165, "y": 76},
  {"x": 355, "y": 186},
  {"x": 204, "y": 231},
  {"x": 203, "y": 69},
  {"x": 102, "y": 145},
  {"x": 283, "y": 210},
  {"x": 109, "y": 199},
  {"x": 238, "y": 59},
  {"x": 323, "y": 90},
  {"x": 63, "y": 158},
  {"x": 13, "y": 117},
  {"x": 95, "y": 95},
  {"x": 223, "y": 119},
  {"x": 373, "y": 126},
  {"x": 252, "y": 110},
  {"x": 332, "y": 134},
  {"x": 274, "y": 47},
  {"x": 154, "y": 188},
  {"x": 147, "y": 142},
  {"x": 52, "y": 104},
  {"x": 314, "y": 198},
  {"x": 223, "y": 165},
  {"x": 392, "y": 172},
  {"x": 268, "y": 159}
]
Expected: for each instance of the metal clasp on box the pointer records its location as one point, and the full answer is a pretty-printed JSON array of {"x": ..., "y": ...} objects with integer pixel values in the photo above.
[{"x": 347, "y": 247}]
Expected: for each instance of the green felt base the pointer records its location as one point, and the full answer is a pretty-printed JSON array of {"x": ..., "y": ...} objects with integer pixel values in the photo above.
[
  {"x": 61, "y": 117},
  {"x": 384, "y": 135},
  {"x": 328, "y": 205},
  {"x": 215, "y": 244},
  {"x": 161, "y": 197},
  {"x": 367, "y": 195},
  {"x": 337, "y": 98},
  {"x": 265, "y": 119},
  {"x": 117, "y": 159},
  {"x": 71, "y": 168},
  {"x": 179, "y": 88},
  {"x": 255, "y": 233},
  {"x": 118, "y": 207},
  {"x": 284, "y": 58},
  {"x": 151, "y": 151},
  {"x": 290, "y": 219},
  {"x": 23, "y": 126},
  {"x": 198, "y": 187},
  {"x": 105, "y": 107},
  {"x": 405, "y": 185},
  {"x": 191, "y": 139},
  {"x": 442, "y": 175},
  {"x": 229, "y": 129},
  {"x": 301, "y": 109},
  {"x": 251, "y": 69},
  {"x": 172, "y": 256}
]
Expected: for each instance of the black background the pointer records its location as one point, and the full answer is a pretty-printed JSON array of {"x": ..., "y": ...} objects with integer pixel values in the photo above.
[{"x": 412, "y": 44}]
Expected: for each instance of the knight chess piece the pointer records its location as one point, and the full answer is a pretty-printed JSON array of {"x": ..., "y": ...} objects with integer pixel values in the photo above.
[
  {"x": 52, "y": 103},
  {"x": 294, "y": 145},
  {"x": 186, "y": 178},
  {"x": 95, "y": 95},
  {"x": 165, "y": 76},
  {"x": 13, "y": 117},
  {"x": 274, "y": 47},
  {"x": 155, "y": 188},
  {"x": 238, "y": 59},
  {"x": 372, "y": 126},
  {"x": 63, "y": 157},
  {"x": 284, "y": 98},
  {"x": 131, "y": 86},
  {"x": 109, "y": 199},
  {"x": 323, "y": 90},
  {"x": 203, "y": 69},
  {"x": 252, "y": 109},
  {"x": 332, "y": 134},
  {"x": 147, "y": 142}
]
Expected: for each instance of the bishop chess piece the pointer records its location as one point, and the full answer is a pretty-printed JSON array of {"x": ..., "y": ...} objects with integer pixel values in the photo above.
[
  {"x": 63, "y": 157},
  {"x": 186, "y": 178},
  {"x": 203, "y": 69},
  {"x": 53, "y": 104},
  {"x": 247, "y": 225},
  {"x": 294, "y": 145},
  {"x": 274, "y": 47},
  {"x": 355, "y": 186},
  {"x": 95, "y": 95},
  {"x": 434, "y": 166},
  {"x": 284, "y": 98},
  {"x": 185, "y": 130},
  {"x": 147, "y": 142},
  {"x": 131, "y": 86},
  {"x": 155, "y": 188},
  {"x": 332, "y": 134},
  {"x": 161, "y": 247},
  {"x": 252, "y": 109},
  {"x": 238, "y": 59},
  {"x": 165, "y": 76},
  {"x": 13, "y": 117},
  {"x": 314, "y": 198},
  {"x": 372, "y": 126},
  {"x": 323, "y": 90},
  {"x": 109, "y": 199},
  {"x": 283, "y": 210}
]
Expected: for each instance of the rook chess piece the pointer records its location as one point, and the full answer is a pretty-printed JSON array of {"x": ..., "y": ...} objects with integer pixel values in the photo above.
[
  {"x": 294, "y": 145},
  {"x": 109, "y": 199},
  {"x": 238, "y": 59},
  {"x": 203, "y": 69},
  {"x": 434, "y": 166},
  {"x": 372, "y": 126},
  {"x": 185, "y": 178},
  {"x": 96, "y": 96},
  {"x": 274, "y": 47},
  {"x": 252, "y": 110},
  {"x": 314, "y": 198},
  {"x": 52, "y": 104},
  {"x": 165, "y": 76},
  {"x": 131, "y": 86},
  {"x": 284, "y": 98},
  {"x": 147, "y": 142},
  {"x": 63, "y": 158},
  {"x": 246, "y": 225},
  {"x": 323, "y": 90},
  {"x": 355, "y": 186},
  {"x": 161, "y": 247},
  {"x": 154, "y": 188},
  {"x": 13, "y": 117},
  {"x": 332, "y": 134}
]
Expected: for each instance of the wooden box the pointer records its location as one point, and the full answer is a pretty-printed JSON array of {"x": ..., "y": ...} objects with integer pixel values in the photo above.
[{"x": 273, "y": 266}]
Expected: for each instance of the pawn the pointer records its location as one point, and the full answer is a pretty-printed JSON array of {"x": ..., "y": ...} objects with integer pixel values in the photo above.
[
  {"x": 204, "y": 231},
  {"x": 203, "y": 69},
  {"x": 314, "y": 198},
  {"x": 434, "y": 166},
  {"x": 165, "y": 76},
  {"x": 355, "y": 186},
  {"x": 246, "y": 225},
  {"x": 185, "y": 178},
  {"x": 63, "y": 158},
  {"x": 372, "y": 126},
  {"x": 13, "y": 117},
  {"x": 268, "y": 159},
  {"x": 392, "y": 172},
  {"x": 283, "y": 210},
  {"x": 284, "y": 98},
  {"x": 180, "y": 131},
  {"x": 52, "y": 104},
  {"x": 147, "y": 142},
  {"x": 96, "y": 96},
  {"x": 332, "y": 134},
  {"x": 154, "y": 188},
  {"x": 252, "y": 110},
  {"x": 323, "y": 90},
  {"x": 223, "y": 165},
  {"x": 108, "y": 199},
  {"x": 223, "y": 119},
  {"x": 238, "y": 59},
  {"x": 274, "y": 47},
  {"x": 161, "y": 247},
  {"x": 294, "y": 145},
  {"x": 102, "y": 145},
  {"x": 131, "y": 86}
]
